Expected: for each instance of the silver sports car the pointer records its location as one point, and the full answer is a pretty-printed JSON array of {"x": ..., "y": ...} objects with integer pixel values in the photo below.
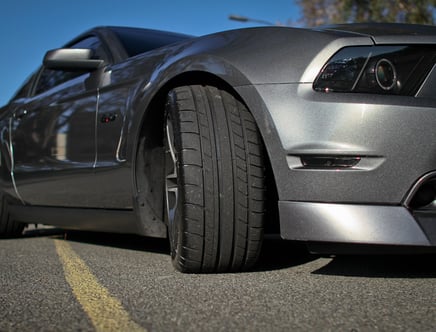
[{"x": 324, "y": 135}]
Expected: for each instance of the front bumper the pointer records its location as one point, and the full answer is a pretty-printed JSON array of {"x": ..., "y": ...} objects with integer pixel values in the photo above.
[
  {"x": 392, "y": 136},
  {"x": 356, "y": 224}
]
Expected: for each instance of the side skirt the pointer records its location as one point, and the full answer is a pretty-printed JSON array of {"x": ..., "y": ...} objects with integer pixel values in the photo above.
[{"x": 116, "y": 221}]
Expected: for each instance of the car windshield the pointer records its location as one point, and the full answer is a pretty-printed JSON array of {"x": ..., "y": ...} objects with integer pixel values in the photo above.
[{"x": 137, "y": 41}]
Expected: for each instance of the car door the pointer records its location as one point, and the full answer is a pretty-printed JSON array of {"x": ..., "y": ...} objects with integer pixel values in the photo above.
[
  {"x": 54, "y": 137},
  {"x": 7, "y": 184}
]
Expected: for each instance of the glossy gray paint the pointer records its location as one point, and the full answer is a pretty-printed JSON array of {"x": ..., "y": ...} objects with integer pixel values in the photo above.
[
  {"x": 272, "y": 71},
  {"x": 348, "y": 124}
]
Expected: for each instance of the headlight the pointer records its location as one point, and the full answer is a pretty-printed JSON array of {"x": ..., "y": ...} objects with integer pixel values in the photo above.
[{"x": 377, "y": 69}]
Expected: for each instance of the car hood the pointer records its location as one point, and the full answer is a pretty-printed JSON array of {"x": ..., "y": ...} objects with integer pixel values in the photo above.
[{"x": 388, "y": 33}]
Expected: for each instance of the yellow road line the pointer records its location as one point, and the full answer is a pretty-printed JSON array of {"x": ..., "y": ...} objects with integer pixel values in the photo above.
[{"x": 105, "y": 311}]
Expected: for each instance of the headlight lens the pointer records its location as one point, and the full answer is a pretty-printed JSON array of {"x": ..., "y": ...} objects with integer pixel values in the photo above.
[
  {"x": 385, "y": 74},
  {"x": 377, "y": 69}
]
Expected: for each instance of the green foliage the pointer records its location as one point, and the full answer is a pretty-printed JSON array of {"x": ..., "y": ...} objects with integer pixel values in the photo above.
[{"x": 319, "y": 12}]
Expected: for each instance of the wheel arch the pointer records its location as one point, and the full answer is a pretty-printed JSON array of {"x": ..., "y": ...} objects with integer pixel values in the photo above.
[{"x": 149, "y": 143}]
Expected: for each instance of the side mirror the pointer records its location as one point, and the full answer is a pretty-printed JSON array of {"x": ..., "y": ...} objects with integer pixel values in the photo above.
[{"x": 71, "y": 59}]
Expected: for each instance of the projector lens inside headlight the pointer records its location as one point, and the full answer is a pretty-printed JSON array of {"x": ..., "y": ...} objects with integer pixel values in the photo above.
[{"x": 385, "y": 74}]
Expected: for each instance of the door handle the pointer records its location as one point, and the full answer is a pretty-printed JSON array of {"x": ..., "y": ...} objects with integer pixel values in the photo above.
[{"x": 20, "y": 114}]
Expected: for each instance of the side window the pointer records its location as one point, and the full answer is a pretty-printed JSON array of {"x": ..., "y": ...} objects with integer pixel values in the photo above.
[{"x": 50, "y": 78}]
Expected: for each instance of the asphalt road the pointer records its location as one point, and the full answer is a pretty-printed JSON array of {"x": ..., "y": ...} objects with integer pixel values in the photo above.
[{"x": 76, "y": 281}]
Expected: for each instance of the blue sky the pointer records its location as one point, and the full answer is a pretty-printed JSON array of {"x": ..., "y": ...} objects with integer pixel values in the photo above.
[{"x": 28, "y": 28}]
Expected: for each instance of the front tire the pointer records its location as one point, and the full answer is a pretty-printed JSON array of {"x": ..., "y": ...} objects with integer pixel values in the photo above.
[{"x": 215, "y": 181}]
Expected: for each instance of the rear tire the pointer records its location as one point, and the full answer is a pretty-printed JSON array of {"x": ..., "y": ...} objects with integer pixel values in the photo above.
[
  {"x": 215, "y": 181},
  {"x": 8, "y": 227}
]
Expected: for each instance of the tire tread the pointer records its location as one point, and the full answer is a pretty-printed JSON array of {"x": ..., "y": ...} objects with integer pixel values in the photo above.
[{"x": 223, "y": 181}]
